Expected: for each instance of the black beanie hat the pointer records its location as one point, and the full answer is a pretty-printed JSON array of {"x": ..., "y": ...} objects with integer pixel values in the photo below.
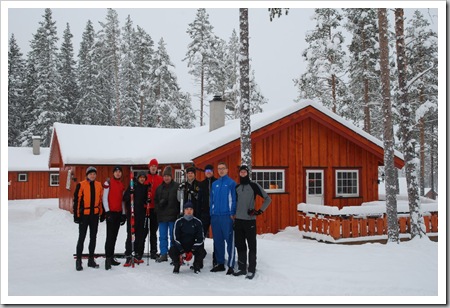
[
  {"x": 243, "y": 167},
  {"x": 117, "y": 168},
  {"x": 209, "y": 167},
  {"x": 190, "y": 169}
]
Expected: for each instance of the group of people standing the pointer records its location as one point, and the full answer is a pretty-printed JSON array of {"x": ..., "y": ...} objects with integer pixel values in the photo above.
[{"x": 222, "y": 204}]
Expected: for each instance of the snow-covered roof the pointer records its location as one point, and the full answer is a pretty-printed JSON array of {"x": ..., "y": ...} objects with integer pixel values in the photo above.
[
  {"x": 105, "y": 145},
  {"x": 23, "y": 159}
]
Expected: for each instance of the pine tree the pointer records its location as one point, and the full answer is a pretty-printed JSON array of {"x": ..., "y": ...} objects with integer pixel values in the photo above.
[
  {"x": 244, "y": 65},
  {"x": 421, "y": 48},
  {"x": 90, "y": 108},
  {"x": 172, "y": 108},
  {"x": 200, "y": 54},
  {"x": 129, "y": 77},
  {"x": 48, "y": 108},
  {"x": 364, "y": 72},
  {"x": 390, "y": 176},
  {"x": 108, "y": 55},
  {"x": 325, "y": 61},
  {"x": 144, "y": 63},
  {"x": 69, "y": 86},
  {"x": 16, "y": 92}
]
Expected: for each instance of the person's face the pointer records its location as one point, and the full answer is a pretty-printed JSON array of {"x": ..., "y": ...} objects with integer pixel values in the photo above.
[
  {"x": 92, "y": 176},
  {"x": 209, "y": 173},
  {"x": 189, "y": 211},
  {"x": 190, "y": 176},
  {"x": 141, "y": 179},
  {"x": 153, "y": 169},
  {"x": 117, "y": 174},
  {"x": 167, "y": 179},
  {"x": 243, "y": 173},
  {"x": 222, "y": 169}
]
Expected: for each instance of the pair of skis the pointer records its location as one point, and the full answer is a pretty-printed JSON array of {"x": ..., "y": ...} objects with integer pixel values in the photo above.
[{"x": 133, "y": 236}]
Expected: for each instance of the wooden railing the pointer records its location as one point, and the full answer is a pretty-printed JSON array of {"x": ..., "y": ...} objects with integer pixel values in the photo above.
[{"x": 348, "y": 228}]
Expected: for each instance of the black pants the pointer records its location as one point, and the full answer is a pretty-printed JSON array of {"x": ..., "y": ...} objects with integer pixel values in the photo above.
[
  {"x": 112, "y": 230},
  {"x": 153, "y": 231},
  {"x": 245, "y": 233},
  {"x": 90, "y": 221},
  {"x": 139, "y": 233},
  {"x": 199, "y": 255}
]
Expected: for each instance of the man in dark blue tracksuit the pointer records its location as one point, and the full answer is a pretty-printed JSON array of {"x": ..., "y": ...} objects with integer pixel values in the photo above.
[{"x": 223, "y": 211}]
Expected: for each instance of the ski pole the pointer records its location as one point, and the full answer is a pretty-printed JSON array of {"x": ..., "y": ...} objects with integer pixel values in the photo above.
[{"x": 132, "y": 216}]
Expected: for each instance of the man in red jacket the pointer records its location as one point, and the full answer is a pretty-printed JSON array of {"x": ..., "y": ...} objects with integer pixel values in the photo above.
[
  {"x": 153, "y": 180},
  {"x": 113, "y": 190}
]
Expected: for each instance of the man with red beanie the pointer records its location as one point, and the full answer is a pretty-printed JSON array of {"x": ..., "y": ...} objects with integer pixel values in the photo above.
[{"x": 153, "y": 180}]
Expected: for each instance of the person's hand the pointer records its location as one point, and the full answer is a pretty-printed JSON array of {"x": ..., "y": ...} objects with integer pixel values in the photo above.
[
  {"x": 102, "y": 217},
  {"x": 123, "y": 219},
  {"x": 76, "y": 219}
]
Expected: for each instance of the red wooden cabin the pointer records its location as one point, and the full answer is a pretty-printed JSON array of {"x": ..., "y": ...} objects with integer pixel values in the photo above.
[{"x": 303, "y": 153}]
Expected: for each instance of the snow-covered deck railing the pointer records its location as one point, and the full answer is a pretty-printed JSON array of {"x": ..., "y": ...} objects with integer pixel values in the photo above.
[{"x": 364, "y": 223}]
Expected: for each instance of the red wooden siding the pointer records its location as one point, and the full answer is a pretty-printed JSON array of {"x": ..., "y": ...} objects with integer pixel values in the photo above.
[
  {"x": 304, "y": 140},
  {"x": 37, "y": 186}
]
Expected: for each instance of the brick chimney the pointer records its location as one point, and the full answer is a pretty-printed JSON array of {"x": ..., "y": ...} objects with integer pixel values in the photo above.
[
  {"x": 36, "y": 145},
  {"x": 216, "y": 113}
]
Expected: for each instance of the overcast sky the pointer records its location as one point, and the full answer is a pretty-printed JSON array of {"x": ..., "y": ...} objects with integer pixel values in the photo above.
[{"x": 275, "y": 47}]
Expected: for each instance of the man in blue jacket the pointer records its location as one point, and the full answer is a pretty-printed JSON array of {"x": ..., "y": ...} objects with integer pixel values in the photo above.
[{"x": 223, "y": 212}]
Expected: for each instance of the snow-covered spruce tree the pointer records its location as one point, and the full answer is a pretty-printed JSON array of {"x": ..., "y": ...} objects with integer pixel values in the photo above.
[
  {"x": 108, "y": 53},
  {"x": 406, "y": 132},
  {"x": 69, "y": 86},
  {"x": 244, "y": 64},
  {"x": 200, "y": 54},
  {"x": 232, "y": 92},
  {"x": 144, "y": 57},
  {"x": 28, "y": 117},
  {"x": 421, "y": 50},
  {"x": 16, "y": 92},
  {"x": 389, "y": 167},
  {"x": 129, "y": 77},
  {"x": 48, "y": 108},
  {"x": 364, "y": 72},
  {"x": 325, "y": 61},
  {"x": 169, "y": 101},
  {"x": 91, "y": 107}
]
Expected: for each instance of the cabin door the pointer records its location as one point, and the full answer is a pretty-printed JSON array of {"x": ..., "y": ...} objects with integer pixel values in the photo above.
[{"x": 314, "y": 187}]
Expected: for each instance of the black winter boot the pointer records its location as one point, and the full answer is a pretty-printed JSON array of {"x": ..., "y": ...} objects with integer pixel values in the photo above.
[
  {"x": 91, "y": 263},
  {"x": 108, "y": 264},
  {"x": 114, "y": 262},
  {"x": 78, "y": 265},
  {"x": 176, "y": 268}
]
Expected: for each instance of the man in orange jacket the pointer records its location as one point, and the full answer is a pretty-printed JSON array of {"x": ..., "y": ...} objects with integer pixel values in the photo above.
[{"x": 87, "y": 209}]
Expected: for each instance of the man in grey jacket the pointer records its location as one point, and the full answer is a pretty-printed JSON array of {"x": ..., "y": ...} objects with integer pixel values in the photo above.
[{"x": 245, "y": 222}]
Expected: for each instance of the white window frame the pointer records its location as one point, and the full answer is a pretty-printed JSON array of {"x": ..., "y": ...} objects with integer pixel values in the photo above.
[
  {"x": 22, "y": 177},
  {"x": 342, "y": 194},
  {"x": 51, "y": 181},
  {"x": 263, "y": 182},
  {"x": 178, "y": 173}
]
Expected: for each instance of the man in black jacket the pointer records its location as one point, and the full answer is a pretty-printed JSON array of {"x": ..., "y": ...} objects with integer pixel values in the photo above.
[
  {"x": 188, "y": 240},
  {"x": 140, "y": 195},
  {"x": 203, "y": 198}
]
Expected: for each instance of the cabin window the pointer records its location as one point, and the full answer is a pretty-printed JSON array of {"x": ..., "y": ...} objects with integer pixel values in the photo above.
[
  {"x": 272, "y": 180},
  {"x": 54, "y": 179},
  {"x": 22, "y": 177},
  {"x": 347, "y": 183}
]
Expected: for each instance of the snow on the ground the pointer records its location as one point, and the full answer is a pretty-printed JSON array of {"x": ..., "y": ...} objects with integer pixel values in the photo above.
[{"x": 38, "y": 267}]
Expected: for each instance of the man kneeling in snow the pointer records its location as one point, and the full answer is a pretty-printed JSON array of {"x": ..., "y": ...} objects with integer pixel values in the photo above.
[{"x": 188, "y": 240}]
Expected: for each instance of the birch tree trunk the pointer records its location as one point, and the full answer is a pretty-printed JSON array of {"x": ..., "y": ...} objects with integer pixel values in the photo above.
[
  {"x": 246, "y": 142},
  {"x": 390, "y": 177}
]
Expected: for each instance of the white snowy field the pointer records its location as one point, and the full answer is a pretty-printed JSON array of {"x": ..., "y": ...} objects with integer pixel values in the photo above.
[{"x": 38, "y": 268}]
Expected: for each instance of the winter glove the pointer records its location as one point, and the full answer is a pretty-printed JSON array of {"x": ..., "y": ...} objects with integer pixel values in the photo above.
[
  {"x": 253, "y": 212},
  {"x": 123, "y": 219},
  {"x": 102, "y": 217},
  {"x": 108, "y": 216},
  {"x": 188, "y": 256},
  {"x": 182, "y": 186},
  {"x": 76, "y": 219}
]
